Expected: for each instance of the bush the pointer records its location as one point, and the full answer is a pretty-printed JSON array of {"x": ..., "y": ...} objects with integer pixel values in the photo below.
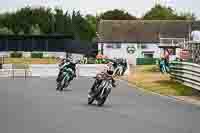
[
  {"x": 16, "y": 55},
  {"x": 36, "y": 55},
  {"x": 91, "y": 60},
  {"x": 146, "y": 61}
]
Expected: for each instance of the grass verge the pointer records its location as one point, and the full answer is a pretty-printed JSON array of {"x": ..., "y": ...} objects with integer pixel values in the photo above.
[
  {"x": 149, "y": 78},
  {"x": 30, "y": 61}
]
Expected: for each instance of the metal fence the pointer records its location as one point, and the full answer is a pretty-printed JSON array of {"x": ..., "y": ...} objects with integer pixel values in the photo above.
[
  {"x": 194, "y": 48},
  {"x": 48, "y": 43},
  {"x": 186, "y": 73},
  {"x": 46, "y": 70}
]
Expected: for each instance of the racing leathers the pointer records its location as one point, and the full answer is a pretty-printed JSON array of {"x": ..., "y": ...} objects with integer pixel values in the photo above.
[
  {"x": 108, "y": 71},
  {"x": 65, "y": 67}
]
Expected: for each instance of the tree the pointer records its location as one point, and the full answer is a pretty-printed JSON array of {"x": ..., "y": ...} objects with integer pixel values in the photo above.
[
  {"x": 117, "y": 14},
  {"x": 43, "y": 17},
  {"x": 59, "y": 21},
  {"x": 68, "y": 30},
  {"x": 21, "y": 33},
  {"x": 35, "y": 30},
  {"x": 81, "y": 27},
  {"x": 166, "y": 13},
  {"x": 92, "y": 20},
  {"x": 187, "y": 16},
  {"x": 160, "y": 13},
  {"x": 42, "y": 21},
  {"x": 5, "y": 31}
]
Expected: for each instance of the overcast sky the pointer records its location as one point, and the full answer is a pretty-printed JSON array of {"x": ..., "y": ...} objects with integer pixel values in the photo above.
[{"x": 135, "y": 7}]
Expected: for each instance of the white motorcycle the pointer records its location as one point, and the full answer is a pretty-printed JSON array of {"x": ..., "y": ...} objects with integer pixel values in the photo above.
[{"x": 101, "y": 91}]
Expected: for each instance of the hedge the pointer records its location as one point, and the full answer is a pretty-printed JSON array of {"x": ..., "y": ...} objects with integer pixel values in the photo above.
[
  {"x": 36, "y": 55},
  {"x": 146, "y": 61},
  {"x": 16, "y": 55}
]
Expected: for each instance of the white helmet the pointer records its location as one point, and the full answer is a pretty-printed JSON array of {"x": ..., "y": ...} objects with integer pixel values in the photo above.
[
  {"x": 62, "y": 57},
  {"x": 69, "y": 59}
]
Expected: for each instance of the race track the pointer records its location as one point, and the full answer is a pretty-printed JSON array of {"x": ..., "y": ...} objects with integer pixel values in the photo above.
[{"x": 33, "y": 106}]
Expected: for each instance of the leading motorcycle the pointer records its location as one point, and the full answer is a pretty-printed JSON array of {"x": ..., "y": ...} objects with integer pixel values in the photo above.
[{"x": 101, "y": 90}]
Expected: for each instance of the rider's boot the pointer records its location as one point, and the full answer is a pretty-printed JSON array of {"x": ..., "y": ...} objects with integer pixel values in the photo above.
[{"x": 113, "y": 83}]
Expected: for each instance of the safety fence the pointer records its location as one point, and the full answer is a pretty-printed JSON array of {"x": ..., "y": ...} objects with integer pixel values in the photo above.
[
  {"x": 186, "y": 73},
  {"x": 48, "y": 70}
]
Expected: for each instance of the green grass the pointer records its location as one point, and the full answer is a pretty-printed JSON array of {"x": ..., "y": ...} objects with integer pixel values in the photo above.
[
  {"x": 149, "y": 78},
  {"x": 30, "y": 61}
]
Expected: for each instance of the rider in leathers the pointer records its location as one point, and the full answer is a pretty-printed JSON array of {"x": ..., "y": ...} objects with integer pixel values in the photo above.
[
  {"x": 64, "y": 66},
  {"x": 107, "y": 70}
]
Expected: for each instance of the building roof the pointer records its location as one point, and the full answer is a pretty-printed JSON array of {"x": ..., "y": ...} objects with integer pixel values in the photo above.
[{"x": 144, "y": 31}]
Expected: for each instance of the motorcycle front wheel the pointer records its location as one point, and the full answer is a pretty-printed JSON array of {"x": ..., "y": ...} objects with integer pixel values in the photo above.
[
  {"x": 90, "y": 100},
  {"x": 58, "y": 86},
  {"x": 63, "y": 84},
  {"x": 101, "y": 101}
]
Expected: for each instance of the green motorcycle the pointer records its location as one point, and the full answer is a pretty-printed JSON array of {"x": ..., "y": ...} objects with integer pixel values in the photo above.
[{"x": 65, "y": 78}]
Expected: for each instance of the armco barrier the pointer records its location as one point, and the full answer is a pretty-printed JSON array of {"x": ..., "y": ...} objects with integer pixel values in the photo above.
[
  {"x": 51, "y": 70},
  {"x": 89, "y": 69},
  {"x": 186, "y": 73},
  {"x": 46, "y": 70}
]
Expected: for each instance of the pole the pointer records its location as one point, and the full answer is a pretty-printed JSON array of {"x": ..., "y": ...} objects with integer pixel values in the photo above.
[
  {"x": 189, "y": 32},
  {"x": 102, "y": 48},
  {"x": 13, "y": 71}
]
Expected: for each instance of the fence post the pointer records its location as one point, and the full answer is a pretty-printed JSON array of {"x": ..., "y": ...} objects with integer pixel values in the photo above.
[
  {"x": 25, "y": 73},
  {"x": 13, "y": 71},
  {"x": 78, "y": 70}
]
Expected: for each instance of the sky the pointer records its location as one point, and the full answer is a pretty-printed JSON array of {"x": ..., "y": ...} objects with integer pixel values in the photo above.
[{"x": 135, "y": 7}]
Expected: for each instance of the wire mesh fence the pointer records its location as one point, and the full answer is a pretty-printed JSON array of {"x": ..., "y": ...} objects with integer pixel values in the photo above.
[{"x": 194, "y": 49}]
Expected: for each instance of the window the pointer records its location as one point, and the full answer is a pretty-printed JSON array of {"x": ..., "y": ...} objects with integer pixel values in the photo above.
[
  {"x": 114, "y": 46},
  {"x": 143, "y": 46},
  {"x": 148, "y": 54},
  {"x": 109, "y": 46}
]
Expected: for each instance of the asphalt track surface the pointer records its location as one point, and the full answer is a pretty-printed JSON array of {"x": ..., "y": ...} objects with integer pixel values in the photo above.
[{"x": 33, "y": 106}]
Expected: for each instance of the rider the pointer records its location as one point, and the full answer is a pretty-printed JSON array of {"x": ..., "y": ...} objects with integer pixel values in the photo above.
[
  {"x": 107, "y": 70},
  {"x": 124, "y": 64},
  {"x": 64, "y": 65}
]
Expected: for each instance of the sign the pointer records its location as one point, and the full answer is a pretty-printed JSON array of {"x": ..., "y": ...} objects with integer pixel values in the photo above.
[{"x": 131, "y": 49}]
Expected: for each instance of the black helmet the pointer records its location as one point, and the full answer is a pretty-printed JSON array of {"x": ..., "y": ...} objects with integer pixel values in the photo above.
[{"x": 110, "y": 72}]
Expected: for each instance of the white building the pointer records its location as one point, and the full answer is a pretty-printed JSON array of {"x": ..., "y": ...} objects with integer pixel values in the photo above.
[{"x": 118, "y": 37}]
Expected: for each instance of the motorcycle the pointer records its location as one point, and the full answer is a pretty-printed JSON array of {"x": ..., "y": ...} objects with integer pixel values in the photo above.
[
  {"x": 66, "y": 77},
  {"x": 118, "y": 71},
  {"x": 101, "y": 91},
  {"x": 64, "y": 82}
]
